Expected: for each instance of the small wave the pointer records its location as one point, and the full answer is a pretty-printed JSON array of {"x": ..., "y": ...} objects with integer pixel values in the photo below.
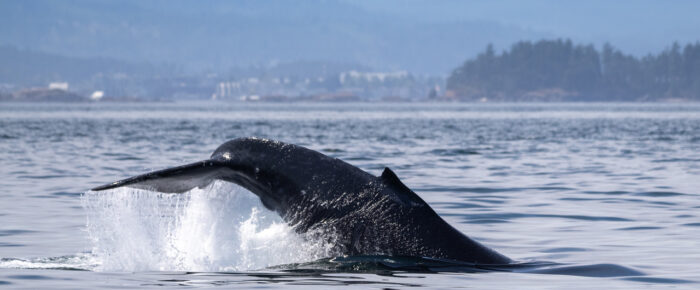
[
  {"x": 9, "y": 245},
  {"x": 333, "y": 150},
  {"x": 80, "y": 262},
  {"x": 388, "y": 264},
  {"x": 469, "y": 189},
  {"x": 41, "y": 176},
  {"x": 639, "y": 228},
  {"x": 486, "y": 221},
  {"x": 614, "y": 192},
  {"x": 596, "y": 270},
  {"x": 658, "y": 280},
  {"x": 453, "y": 152},
  {"x": 658, "y": 193},
  {"x": 508, "y": 216},
  {"x": 458, "y": 189},
  {"x": 457, "y": 205},
  {"x": 4, "y": 233},
  {"x": 563, "y": 250},
  {"x": 65, "y": 193},
  {"x": 676, "y": 160}
]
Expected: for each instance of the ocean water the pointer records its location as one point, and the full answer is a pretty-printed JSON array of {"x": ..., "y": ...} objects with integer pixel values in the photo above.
[{"x": 579, "y": 195}]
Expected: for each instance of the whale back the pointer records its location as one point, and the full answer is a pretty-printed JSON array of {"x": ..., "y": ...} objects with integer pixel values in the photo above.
[{"x": 285, "y": 175}]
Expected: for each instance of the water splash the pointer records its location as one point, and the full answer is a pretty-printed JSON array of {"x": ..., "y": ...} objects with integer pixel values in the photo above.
[{"x": 222, "y": 227}]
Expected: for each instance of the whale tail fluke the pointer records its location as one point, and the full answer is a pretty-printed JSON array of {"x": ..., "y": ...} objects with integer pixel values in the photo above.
[{"x": 173, "y": 180}]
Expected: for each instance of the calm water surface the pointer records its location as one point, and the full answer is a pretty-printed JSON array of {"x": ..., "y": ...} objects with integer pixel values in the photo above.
[{"x": 581, "y": 195}]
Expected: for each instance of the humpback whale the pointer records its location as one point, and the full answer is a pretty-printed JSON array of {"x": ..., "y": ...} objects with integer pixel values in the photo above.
[{"x": 313, "y": 192}]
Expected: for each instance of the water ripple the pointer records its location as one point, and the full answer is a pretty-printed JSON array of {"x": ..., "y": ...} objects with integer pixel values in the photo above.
[
  {"x": 508, "y": 216},
  {"x": 589, "y": 183},
  {"x": 5, "y": 233}
]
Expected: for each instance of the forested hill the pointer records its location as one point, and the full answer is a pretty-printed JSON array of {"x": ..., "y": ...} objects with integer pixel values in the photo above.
[
  {"x": 26, "y": 68},
  {"x": 557, "y": 70}
]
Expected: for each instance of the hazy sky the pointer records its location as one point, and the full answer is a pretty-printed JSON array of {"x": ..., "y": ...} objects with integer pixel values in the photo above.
[
  {"x": 422, "y": 36},
  {"x": 637, "y": 26}
]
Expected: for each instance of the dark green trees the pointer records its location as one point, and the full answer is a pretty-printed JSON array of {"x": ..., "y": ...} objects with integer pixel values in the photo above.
[{"x": 557, "y": 70}]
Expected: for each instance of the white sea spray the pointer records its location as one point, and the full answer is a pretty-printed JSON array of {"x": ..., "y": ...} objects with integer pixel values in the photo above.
[{"x": 222, "y": 227}]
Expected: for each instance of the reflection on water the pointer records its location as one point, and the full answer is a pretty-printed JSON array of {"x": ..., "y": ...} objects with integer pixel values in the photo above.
[{"x": 606, "y": 192}]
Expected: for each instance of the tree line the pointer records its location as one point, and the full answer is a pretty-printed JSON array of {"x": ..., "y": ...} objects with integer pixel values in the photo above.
[{"x": 558, "y": 70}]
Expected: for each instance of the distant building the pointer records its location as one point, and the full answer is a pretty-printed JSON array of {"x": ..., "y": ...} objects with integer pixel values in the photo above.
[
  {"x": 63, "y": 86},
  {"x": 97, "y": 95},
  {"x": 349, "y": 85},
  {"x": 371, "y": 76}
]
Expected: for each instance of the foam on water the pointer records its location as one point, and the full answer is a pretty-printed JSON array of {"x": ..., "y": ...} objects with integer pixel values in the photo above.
[
  {"x": 83, "y": 261},
  {"x": 222, "y": 227}
]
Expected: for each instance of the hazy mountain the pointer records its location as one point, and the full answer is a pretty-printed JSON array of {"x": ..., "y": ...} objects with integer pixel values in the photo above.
[
  {"x": 28, "y": 68},
  {"x": 224, "y": 34},
  {"x": 639, "y": 27}
]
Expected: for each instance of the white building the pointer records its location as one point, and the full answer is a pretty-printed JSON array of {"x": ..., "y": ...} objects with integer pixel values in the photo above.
[
  {"x": 58, "y": 86},
  {"x": 97, "y": 95}
]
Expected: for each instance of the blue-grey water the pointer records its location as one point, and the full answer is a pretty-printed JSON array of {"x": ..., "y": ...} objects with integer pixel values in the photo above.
[{"x": 580, "y": 195}]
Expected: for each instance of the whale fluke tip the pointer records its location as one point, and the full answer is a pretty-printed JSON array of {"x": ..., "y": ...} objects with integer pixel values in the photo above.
[{"x": 172, "y": 180}]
